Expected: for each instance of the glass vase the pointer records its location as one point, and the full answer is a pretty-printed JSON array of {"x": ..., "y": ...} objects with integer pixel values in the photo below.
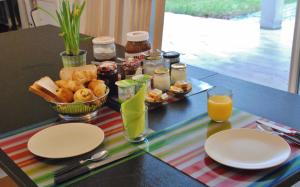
[{"x": 74, "y": 60}]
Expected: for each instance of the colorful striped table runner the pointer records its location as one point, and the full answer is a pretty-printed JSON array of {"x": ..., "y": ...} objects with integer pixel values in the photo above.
[
  {"x": 182, "y": 146},
  {"x": 41, "y": 170}
]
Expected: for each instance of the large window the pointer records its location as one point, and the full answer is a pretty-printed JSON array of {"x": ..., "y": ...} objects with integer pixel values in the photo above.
[{"x": 251, "y": 39}]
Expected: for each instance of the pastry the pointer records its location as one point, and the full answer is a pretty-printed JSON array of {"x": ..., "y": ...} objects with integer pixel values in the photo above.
[
  {"x": 98, "y": 87},
  {"x": 67, "y": 73},
  {"x": 81, "y": 76},
  {"x": 185, "y": 86},
  {"x": 65, "y": 95},
  {"x": 176, "y": 89},
  {"x": 83, "y": 95},
  {"x": 69, "y": 84},
  {"x": 155, "y": 93}
]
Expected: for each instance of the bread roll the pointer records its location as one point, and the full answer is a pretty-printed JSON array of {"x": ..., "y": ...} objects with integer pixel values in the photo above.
[
  {"x": 69, "y": 84},
  {"x": 66, "y": 73},
  {"x": 65, "y": 95},
  {"x": 81, "y": 76},
  {"x": 98, "y": 87},
  {"x": 83, "y": 95}
]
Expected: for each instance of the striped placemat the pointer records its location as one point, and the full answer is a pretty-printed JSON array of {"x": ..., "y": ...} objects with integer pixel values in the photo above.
[
  {"x": 182, "y": 146},
  {"x": 41, "y": 170}
]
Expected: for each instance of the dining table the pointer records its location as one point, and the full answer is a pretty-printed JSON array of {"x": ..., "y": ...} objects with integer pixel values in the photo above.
[{"x": 28, "y": 54}]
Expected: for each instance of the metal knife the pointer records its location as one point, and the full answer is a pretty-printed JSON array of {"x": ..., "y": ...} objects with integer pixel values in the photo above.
[
  {"x": 278, "y": 128},
  {"x": 85, "y": 169}
]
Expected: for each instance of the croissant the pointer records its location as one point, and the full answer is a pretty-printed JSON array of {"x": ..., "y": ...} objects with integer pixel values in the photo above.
[
  {"x": 83, "y": 95},
  {"x": 98, "y": 87}
]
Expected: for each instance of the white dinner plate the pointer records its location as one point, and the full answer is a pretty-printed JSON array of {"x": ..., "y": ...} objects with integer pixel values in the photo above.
[
  {"x": 65, "y": 140},
  {"x": 247, "y": 148}
]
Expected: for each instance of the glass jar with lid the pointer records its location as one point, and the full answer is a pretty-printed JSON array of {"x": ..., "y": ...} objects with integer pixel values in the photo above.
[
  {"x": 137, "y": 45},
  {"x": 130, "y": 67},
  {"x": 104, "y": 48},
  {"x": 178, "y": 72},
  {"x": 152, "y": 62},
  {"x": 107, "y": 71},
  {"x": 161, "y": 79},
  {"x": 171, "y": 57}
]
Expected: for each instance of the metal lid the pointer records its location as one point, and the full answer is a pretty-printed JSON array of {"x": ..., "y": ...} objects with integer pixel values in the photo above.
[
  {"x": 103, "y": 40},
  {"x": 171, "y": 54},
  {"x": 161, "y": 70},
  {"x": 178, "y": 66}
]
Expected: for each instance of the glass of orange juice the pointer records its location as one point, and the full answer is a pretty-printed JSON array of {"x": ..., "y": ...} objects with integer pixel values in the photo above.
[{"x": 219, "y": 104}]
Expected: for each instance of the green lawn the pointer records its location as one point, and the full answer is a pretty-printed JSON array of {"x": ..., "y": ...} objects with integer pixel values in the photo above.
[{"x": 214, "y": 8}]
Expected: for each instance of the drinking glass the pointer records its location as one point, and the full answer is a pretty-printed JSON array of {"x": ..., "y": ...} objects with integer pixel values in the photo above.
[
  {"x": 219, "y": 104},
  {"x": 135, "y": 125}
]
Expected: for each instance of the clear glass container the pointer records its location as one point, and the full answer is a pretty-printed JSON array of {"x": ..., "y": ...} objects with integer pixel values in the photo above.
[
  {"x": 130, "y": 67},
  {"x": 74, "y": 60},
  {"x": 104, "y": 48},
  {"x": 135, "y": 133},
  {"x": 137, "y": 45},
  {"x": 107, "y": 71},
  {"x": 178, "y": 72},
  {"x": 161, "y": 79},
  {"x": 152, "y": 62},
  {"x": 171, "y": 57},
  {"x": 219, "y": 104},
  {"x": 126, "y": 89}
]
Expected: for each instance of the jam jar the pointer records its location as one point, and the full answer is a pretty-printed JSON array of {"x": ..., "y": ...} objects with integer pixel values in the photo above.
[
  {"x": 130, "y": 67},
  {"x": 107, "y": 71},
  {"x": 137, "y": 45}
]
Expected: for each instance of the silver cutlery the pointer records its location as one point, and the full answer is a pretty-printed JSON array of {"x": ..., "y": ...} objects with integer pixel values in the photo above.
[
  {"x": 94, "y": 158},
  {"x": 87, "y": 168},
  {"x": 283, "y": 135},
  {"x": 278, "y": 128}
]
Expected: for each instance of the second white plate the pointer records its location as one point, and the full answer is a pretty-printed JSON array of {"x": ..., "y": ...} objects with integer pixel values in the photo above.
[
  {"x": 247, "y": 148},
  {"x": 65, "y": 140}
]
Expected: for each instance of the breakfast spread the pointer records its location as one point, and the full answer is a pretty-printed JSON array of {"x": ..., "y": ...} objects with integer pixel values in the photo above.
[{"x": 84, "y": 89}]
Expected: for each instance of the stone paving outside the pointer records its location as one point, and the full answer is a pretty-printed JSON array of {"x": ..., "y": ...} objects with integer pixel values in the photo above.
[{"x": 236, "y": 47}]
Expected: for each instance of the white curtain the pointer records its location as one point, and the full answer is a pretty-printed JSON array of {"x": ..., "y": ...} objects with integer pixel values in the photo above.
[{"x": 117, "y": 17}]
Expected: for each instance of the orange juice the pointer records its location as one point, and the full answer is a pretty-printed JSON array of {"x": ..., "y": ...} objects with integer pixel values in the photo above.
[{"x": 219, "y": 107}]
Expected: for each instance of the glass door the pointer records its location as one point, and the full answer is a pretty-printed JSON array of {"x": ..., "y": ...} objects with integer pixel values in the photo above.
[{"x": 250, "y": 40}]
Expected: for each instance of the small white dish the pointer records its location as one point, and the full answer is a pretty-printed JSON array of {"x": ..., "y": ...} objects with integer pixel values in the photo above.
[
  {"x": 65, "y": 140},
  {"x": 247, "y": 149}
]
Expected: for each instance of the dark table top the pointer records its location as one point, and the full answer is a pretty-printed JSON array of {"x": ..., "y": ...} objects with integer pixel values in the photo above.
[{"x": 30, "y": 54}]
